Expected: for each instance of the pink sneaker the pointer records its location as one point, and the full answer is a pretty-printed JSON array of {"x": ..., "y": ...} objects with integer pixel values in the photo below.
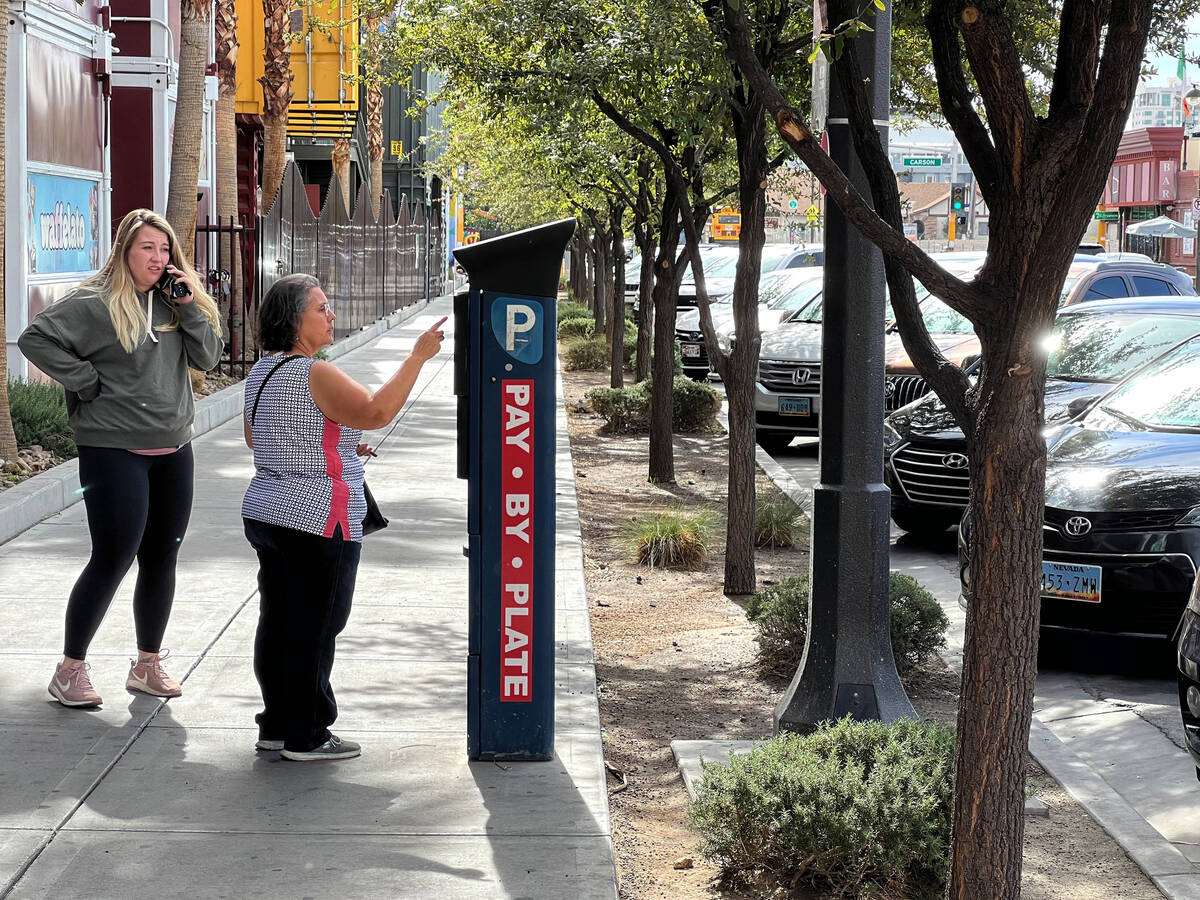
[
  {"x": 149, "y": 677},
  {"x": 72, "y": 686}
]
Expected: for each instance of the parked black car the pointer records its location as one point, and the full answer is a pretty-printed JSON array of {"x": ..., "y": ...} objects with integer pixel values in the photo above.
[
  {"x": 1188, "y": 655},
  {"x": 1094, "y": 345},
  {"x": 1122, "y": 519}
]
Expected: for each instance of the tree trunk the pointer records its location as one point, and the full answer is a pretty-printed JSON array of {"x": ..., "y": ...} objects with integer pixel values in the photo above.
[
  {"x": 662, "y": 390},
  {"x": 617, "y": 310},
  {"x": 599, "y": 276},
  {"x": 187, "y": 134},
  {"x": 8, "y": 439},
  {"x": 741, "y": 371},
  {"x": 276, "y": 83},
  {"x": 587, "y": 268},
  {"x": 579, "y": 267},
  {"x": 645, "y": 317},
  {"x": 1000, "y": 653},
  {"x": 229, "y": 293},
  {"x": 341, "y": 168},
  {"x": 374, "y": 124}
]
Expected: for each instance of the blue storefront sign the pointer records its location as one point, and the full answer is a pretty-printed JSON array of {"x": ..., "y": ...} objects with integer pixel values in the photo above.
[{"x": 64, "y": 214}]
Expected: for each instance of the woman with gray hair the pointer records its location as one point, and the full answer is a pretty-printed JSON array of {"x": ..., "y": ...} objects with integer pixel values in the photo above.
[{"x": 303, "y": 511}]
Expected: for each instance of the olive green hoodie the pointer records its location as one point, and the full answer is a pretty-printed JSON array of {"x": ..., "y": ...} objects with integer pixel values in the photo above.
[{"x": 137, "y": 401}]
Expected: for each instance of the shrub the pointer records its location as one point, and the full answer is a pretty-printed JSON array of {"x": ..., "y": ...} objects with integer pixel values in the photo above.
[
  {"x": 39, "y": 416},
  {"x": 585, "y": 353},
  {"x": 573, "y": 310},
  {"x": 577, "y": 326},
  {"x": 674, "y": 539},
  {"x": 678, "y": 357},
  {"x": 859, "y": 808},
  {"x": 696, "y": 405},
  {"x": 629, "y": 350},
  {"x": 778, "y": 523},
  {"x": 918, "y": 623},
  {"x": 780, "y": 615},
  {"x": 627, "y": 410}
]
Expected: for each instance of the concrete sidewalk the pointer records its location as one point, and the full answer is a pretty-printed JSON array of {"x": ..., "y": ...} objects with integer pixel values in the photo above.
[{"x": 144, "y": 797}]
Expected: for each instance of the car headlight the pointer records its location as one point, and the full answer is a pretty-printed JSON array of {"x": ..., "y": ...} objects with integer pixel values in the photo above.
[
  {"x": 1194, "y": 599},
  {"x": 1191, "y": 517},
  {"x": 891, "y": 437}
]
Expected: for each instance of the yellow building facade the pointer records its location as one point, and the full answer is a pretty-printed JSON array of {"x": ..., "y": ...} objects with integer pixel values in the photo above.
[{"x": 324, "y": 59}]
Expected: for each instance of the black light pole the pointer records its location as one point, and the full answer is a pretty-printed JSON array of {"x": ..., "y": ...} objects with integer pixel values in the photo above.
[{"x": 848, "y": 666}]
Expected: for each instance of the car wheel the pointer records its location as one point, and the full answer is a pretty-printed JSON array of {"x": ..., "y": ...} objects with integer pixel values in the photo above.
[
  {"x": 923, "y": 522},
  {"x": 772, "y": 441}
]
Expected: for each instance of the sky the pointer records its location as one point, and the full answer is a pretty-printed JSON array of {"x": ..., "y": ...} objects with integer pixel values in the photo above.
[{"x": 1167, "y": 66}]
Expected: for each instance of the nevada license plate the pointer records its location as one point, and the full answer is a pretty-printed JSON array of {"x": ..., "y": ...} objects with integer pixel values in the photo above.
[
  {"x": 690, "y": 350},
  {"x": 1067, "y": 581},
  {"x": 795, "y": 406}
]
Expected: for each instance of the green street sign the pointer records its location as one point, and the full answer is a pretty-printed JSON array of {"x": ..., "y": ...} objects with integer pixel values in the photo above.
[
  {"x": 926, "y": 161},
  {"x": 1108, "y": 215}
]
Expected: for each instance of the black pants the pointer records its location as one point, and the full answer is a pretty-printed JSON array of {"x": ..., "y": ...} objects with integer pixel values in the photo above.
[
  {"x": 137, "y": 507},
  {"x": 305, "y": 585}
]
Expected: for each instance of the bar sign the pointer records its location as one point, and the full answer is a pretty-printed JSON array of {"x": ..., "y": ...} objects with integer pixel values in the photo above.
[{"x": 516, "y": 542}]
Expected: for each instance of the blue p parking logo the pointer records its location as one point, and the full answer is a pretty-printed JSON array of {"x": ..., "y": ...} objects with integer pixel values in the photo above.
[{"x": 517, "y": 325}]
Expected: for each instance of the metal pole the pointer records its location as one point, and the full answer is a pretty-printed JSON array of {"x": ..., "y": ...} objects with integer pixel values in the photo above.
[{"x": 848, "y": 666}]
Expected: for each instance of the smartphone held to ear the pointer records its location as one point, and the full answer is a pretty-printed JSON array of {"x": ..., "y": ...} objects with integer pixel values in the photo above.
[{"x": 173, "y": 288}]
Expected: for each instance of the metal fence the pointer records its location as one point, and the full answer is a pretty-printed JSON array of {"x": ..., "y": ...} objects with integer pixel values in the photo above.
[{"x": 368, "y": 268}]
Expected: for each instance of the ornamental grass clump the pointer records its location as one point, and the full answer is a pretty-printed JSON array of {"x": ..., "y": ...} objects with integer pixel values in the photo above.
[
  {"x": 673, "y": 539},
  {"x": 778, "y": 523},
  {"x": 858, "y": 809},
  {"x": 779, "y": 614}
]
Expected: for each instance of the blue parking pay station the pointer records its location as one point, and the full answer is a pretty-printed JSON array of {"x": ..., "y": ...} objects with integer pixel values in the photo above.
[{"x": 505, "y": 330}]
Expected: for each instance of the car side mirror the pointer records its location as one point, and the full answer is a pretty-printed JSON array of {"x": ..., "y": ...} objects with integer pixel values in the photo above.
[
  {"x": 970, "y": 364},
  {"x": 1078, "y": 405}
]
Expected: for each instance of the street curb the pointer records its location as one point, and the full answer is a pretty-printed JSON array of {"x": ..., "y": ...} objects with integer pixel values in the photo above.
[
  {"x": 48, "y": 493},
  {"x": 1171, "y": 871}
]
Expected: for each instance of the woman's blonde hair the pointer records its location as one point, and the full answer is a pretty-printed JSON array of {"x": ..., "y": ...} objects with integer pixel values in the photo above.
[{"x": 114, "y": 280}]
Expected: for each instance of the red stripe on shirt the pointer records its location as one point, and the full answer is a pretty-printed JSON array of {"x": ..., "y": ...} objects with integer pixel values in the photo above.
[{"x": 339, "y": 501}]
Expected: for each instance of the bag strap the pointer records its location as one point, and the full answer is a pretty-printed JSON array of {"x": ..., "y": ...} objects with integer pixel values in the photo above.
[{"x": 258, "y": 396}]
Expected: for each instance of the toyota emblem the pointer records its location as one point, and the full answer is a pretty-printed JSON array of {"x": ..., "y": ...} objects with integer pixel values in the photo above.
[
  {"x": 955, "y": 461},
  {"x": 1077, "y": 526},
  {"x": 801, "y": 376}
]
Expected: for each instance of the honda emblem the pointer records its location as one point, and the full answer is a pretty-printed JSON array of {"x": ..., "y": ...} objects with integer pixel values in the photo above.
[{"x": 801, "y": 376}]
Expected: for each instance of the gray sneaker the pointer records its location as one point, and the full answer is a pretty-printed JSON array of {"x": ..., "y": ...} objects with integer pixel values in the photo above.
[
  {"x": 334, "y": 748},
  {"x": 267, "y": 744}
]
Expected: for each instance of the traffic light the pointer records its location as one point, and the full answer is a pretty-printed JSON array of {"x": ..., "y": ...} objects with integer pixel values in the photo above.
[{"x": 958, "y": 197}]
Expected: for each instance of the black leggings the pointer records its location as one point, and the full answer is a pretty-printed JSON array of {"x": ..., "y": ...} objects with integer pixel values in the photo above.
[
  {"x": 137, "y": 507},
  {"x": 305, "y": 587}
]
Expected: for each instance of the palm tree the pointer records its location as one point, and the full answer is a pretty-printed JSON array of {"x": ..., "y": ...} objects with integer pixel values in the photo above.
[
  {"x": 225, "y": 28},
  {"x": 8, "y": 439},
  {"x": 189, "y": 112},
  {"x": 277, "y": 95},
  {"x": 341, "y": 168},
  {"x": 374, "y": 121}
]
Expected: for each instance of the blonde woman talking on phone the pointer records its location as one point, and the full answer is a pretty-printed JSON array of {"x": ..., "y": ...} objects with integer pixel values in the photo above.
[
  {"x": 121, "y": 344},
  {"x": 304, "y": 508}
]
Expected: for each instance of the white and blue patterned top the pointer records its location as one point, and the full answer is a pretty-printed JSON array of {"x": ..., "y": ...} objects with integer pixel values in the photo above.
[{"x": 307, "y": 473}]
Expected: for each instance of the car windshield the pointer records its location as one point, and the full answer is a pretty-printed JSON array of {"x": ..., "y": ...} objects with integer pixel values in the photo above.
[
  {"x": 720, "y": 265},
  {"x": 1165, "y": 395},
  {"x": 799, "y": 296},
  {"x": 941, "y": 319},
  {"x": 1108, "y": 346}
]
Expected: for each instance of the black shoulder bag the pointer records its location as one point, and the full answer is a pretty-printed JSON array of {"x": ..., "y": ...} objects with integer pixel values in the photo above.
[{"x": 374, "y": 520}]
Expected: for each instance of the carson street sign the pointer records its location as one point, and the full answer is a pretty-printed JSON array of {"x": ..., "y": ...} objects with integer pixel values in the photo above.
[{"x": 927, "y": 161}]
